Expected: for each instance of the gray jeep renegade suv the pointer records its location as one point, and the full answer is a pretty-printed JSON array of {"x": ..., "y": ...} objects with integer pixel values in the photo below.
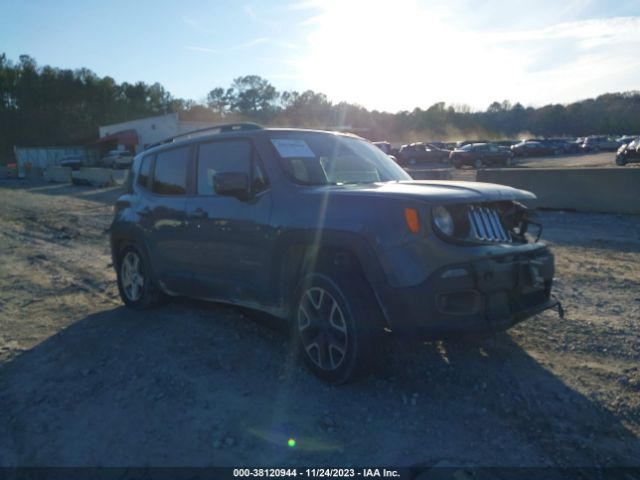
[{"x": 325, "y": 230}]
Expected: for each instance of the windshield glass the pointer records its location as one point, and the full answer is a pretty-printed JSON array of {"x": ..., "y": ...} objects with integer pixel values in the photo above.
[{"x": 316, "y": 158}]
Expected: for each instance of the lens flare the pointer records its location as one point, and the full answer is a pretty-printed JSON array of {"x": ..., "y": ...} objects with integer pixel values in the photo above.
[{"x": 291, "y": 442}]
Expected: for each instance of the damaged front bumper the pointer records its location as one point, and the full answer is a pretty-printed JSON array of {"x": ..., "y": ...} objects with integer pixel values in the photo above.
[{"x": 490, "y": 294}]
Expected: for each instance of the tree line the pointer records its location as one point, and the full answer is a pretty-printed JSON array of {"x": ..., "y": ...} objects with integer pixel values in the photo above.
[{"x": 44, "y": 105}]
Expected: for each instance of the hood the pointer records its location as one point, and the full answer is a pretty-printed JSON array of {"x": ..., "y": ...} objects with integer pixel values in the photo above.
[{"x": 432, "y": 191}]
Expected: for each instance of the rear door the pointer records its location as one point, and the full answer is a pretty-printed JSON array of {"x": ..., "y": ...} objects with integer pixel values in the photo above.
[
  {"x": 166, "y": 219},
  {"x": 230, "y": 237}
]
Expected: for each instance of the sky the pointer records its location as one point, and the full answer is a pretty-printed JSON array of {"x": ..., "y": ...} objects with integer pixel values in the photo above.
[{"x": 385, "y": 55}]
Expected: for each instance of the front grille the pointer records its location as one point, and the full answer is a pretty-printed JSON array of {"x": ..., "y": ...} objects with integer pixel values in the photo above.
[{"x": 485, "y": 225}]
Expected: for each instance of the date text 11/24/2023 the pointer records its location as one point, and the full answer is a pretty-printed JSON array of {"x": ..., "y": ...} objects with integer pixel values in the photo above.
[{"x": 317, "y": 472}]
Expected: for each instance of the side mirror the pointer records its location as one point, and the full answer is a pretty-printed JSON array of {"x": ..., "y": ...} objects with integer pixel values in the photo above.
[{"x": 232, "y": 184}]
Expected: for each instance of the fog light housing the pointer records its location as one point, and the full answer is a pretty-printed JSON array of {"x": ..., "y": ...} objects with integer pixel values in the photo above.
[{"x": 466, "y": 302}]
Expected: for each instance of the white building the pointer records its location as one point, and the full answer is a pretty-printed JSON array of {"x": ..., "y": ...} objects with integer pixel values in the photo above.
[{"x": 136, "y": 135}]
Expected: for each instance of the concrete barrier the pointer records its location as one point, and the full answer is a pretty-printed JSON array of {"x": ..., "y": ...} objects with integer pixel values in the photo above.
[
  {"x": 98, "y": 177},
  {"x": 602, "y": 190},
  {"x": 120, "y": 177},
  {"x": 58, "y": 174},
  {"x": 435, "y": 174},
  {"x": 34, "y": 173}
]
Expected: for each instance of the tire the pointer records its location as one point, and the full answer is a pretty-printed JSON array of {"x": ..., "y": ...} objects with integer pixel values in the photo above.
[
  {"x": 620, "y": 160},
  {"x": 135, "y": 284},
  {"x": 477, "y": 163},
  {"x": 336, "y": 325}
]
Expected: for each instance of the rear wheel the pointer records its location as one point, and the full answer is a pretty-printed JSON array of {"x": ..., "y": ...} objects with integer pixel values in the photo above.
[
  {"x": 135, "y": 284},
  {"x": 336, "y": 325}
]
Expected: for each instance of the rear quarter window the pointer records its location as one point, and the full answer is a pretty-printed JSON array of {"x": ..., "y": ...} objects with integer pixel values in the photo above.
[
  {"x": 170, "y": 173},
  {"x": 144, "y": 176}
]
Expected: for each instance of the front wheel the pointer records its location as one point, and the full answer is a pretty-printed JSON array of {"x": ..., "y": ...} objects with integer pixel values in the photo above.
[
  {"x": 135, "y": 284},
  {"x": 336, "y": 324},
  {"x": 620, "y": 160}
]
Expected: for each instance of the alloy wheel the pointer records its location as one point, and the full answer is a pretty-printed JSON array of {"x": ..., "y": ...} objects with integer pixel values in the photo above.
[
  {"x": 323, "y": 328},
  {"x": 132, "y": 276}
]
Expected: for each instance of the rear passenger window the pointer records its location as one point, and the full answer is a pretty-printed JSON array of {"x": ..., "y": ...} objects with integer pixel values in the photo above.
[
  {"x": 170, "y": 174},
  {"x": 222, "y": 157},
  {"x": 145, "y": 172}
]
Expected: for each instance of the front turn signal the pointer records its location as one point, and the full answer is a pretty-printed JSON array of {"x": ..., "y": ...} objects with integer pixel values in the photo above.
[{"x": 411, "y": 217}]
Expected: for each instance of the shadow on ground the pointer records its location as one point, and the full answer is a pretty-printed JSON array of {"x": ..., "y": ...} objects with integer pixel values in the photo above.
[{"x": 197, "y": 384}]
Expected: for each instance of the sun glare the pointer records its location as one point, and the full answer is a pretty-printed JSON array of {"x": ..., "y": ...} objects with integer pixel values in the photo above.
[
  {"x": 405, "y": 54},
  {"x": 381, "y": 53}
]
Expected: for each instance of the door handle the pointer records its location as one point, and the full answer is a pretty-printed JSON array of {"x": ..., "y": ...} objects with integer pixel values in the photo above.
[{"x": 197, "y": 214}]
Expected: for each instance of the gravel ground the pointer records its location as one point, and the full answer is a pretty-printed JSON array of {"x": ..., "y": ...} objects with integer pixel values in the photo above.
[{"x": 85, "y": 382}]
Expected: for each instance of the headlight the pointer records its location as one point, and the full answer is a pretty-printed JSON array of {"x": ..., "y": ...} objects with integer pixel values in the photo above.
[{"x": 443, "y": 220}]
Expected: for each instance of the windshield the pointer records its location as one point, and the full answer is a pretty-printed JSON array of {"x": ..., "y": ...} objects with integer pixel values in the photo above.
[{"x": 317, "y": 158}]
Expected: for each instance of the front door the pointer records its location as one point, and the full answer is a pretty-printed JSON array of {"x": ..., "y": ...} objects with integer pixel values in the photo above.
[{"x": 231, "y": 237}]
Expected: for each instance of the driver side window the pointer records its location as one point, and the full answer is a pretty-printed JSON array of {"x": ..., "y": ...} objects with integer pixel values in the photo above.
[{"x": 228, "y": 156}]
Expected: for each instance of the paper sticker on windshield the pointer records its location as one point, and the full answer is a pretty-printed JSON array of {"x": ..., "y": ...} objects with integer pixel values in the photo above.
[{"x": 293, "y": 148}]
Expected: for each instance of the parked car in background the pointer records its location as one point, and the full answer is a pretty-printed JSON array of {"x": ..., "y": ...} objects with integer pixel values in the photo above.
[
  {"x": 117, "y": 159},
  {"x": 629, "y": 153},
  {"x": 626, "y": 139},
  {"x": 420, "y": 153},
  {"x": 384, "y": 146},
  {"x": 507, "y": 143},
  {"x": 324, "y": 230},
  {"x": 532, "y": 149},
  {"x": 568, "y": 145},
  {"x": 72, "y": 161},
  {"x": 478, "y": 155},
  {"x": 462, "y": 143},
  {"x": 596, "y": 143}
]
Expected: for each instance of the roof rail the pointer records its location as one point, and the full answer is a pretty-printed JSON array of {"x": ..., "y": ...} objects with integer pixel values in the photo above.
[{"x": 221, "y": 128}]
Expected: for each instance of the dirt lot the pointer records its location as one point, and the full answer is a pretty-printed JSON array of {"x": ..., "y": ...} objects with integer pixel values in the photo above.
[{"x": 83, "y": 381}]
